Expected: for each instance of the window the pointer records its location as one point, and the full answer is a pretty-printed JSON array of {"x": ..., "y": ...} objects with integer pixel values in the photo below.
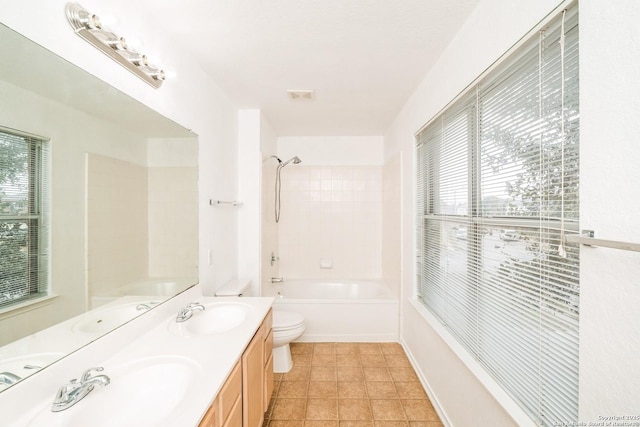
[
  {"x": 23, "y": 218},
  {"x": 497, "y": 188}
]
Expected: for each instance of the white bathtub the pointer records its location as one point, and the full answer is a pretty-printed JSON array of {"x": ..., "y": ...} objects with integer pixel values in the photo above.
[
  {"x": 340, "y": 310},
  {"x": 157, "y": 289}
]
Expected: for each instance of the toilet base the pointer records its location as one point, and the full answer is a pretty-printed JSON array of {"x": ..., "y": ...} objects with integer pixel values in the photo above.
[{"x": 282, "y": 361}]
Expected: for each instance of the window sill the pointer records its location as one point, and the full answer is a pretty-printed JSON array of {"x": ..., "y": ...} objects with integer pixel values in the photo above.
[
  {"x": 510, "y": 406},
  {"x": 27, "y": 306}
]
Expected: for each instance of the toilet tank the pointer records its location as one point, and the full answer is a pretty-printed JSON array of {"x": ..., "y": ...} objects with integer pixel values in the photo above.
[{"x": 233, "y": 288}]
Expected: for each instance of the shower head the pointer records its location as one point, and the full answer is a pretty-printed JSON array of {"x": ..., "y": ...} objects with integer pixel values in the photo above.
[{"x": 295, "y": 160}]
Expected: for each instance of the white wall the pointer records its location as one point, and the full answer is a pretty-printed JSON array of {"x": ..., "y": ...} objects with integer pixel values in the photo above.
[
  {"x": 391, "y": 223},
  {"x": 249, "y": 193},
  {"x": 610, "y": 178},
  {"x": 333, "y": 150},
  {"x": 269, "y": 229},
  {"x": 609, "y": 204},
  {"x": 256, "y": 142},
  {"x": 191, "y": 99}
]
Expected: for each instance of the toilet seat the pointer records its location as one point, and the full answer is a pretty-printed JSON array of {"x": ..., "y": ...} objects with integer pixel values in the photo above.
[{"x": 286, "y": 320}]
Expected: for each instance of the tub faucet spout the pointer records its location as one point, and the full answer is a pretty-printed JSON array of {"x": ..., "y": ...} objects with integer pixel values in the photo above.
[{"x": 277, "y": 279}]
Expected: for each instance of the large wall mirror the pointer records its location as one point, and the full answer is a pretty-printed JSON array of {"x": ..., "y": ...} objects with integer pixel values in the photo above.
[{"x": 119, "y": 230}]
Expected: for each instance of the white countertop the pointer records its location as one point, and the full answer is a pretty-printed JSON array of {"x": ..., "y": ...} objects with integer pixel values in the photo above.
[{"x": 146, "y": 338}]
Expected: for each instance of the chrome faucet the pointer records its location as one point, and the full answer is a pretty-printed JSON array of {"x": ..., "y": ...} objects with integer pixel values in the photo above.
[
  {"x": 73, "y": 392},
  {"x": 8, "y": 378},
  {"x": 274, "y": 259},
  {"x": 143, "y": 306},
  {"x": 186, "y": 313}
]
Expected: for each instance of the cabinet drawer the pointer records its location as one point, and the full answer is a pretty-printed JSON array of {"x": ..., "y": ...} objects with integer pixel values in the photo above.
[{"x": 230, "y": 393}]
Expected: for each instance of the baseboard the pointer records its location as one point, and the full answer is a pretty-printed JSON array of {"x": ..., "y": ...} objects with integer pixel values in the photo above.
[
  {"x": 425, "y": 384},
  {"x": 348, "y": 338}
]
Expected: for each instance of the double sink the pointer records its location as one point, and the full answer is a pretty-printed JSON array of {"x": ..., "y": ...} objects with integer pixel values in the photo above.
[{"x": 150, "y": 387}]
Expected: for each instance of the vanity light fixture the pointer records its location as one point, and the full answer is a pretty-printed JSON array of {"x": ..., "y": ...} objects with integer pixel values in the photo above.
[{"x": 89, "y": 27}]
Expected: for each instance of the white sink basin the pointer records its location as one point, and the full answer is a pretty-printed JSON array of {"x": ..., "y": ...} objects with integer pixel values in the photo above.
[
  {"x": 145, "y": 392},
  {"x": 216, "y": 318},
  {"x": 103, "y": 320}
]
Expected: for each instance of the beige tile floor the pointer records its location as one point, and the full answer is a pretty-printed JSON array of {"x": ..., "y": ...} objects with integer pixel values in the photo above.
[{"x": 349, "y": 385}]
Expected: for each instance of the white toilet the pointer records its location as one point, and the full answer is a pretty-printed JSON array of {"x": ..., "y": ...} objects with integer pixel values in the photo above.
[
  {"x": 287, "y": 326},
  {"x": 233, "y": 288}
]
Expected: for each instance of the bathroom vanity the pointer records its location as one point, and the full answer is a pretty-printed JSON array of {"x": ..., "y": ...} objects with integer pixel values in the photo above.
[
  {"x": 214, "y": 370},
  {"x": 244, "y": 397}
]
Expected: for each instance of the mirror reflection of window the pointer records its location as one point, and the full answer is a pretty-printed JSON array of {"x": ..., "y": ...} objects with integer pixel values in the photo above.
[{"x": 23, "y": 217}]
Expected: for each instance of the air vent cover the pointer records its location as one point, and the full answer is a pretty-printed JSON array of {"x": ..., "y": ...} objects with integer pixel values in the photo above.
[{"x": 301, "y": 95}]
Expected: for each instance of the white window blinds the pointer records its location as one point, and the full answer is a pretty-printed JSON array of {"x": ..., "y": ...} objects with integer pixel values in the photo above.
[
  {"x": 23, "y": 217},
  {"x": 497, "y": 187}
]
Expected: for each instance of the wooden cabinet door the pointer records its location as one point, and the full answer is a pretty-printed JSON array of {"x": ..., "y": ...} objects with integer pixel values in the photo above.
[
  {"x": 268, "y": 359},
  {"x": 230, "y": 396},
  {"x": 253, "y": 381},
  {"x": 243, "y": 402},
  {"x": 210, "y": 419},
  {"x": 235, "y": 416},
  {"x": 268, "y": 383}
]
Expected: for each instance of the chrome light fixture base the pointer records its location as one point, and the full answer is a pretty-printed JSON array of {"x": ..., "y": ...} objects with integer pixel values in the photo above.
[{"x": 88, "y": 26}]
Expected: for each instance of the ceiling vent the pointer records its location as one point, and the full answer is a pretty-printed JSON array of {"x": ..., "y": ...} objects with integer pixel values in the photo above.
[{"x": 301, "y": 95}]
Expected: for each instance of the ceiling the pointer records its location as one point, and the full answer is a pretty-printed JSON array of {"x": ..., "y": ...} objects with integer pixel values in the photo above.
[{"x": 363, "y": 58}]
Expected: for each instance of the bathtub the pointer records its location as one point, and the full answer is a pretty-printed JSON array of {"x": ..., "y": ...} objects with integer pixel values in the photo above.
[
  {"x": 158, "y": 289},
  {"x": 340, "y": 310}
]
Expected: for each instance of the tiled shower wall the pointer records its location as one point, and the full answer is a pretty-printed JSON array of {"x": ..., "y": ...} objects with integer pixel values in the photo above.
[
  {"x": 173, "y": 221},
  {"x": 117, "y": 250},
  {"x": 331, "y": 222},
  {"x": 156, "y": 231}
]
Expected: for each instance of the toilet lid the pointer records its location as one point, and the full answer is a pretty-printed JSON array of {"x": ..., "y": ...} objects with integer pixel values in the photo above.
[{"x": 286, "y": 320}]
